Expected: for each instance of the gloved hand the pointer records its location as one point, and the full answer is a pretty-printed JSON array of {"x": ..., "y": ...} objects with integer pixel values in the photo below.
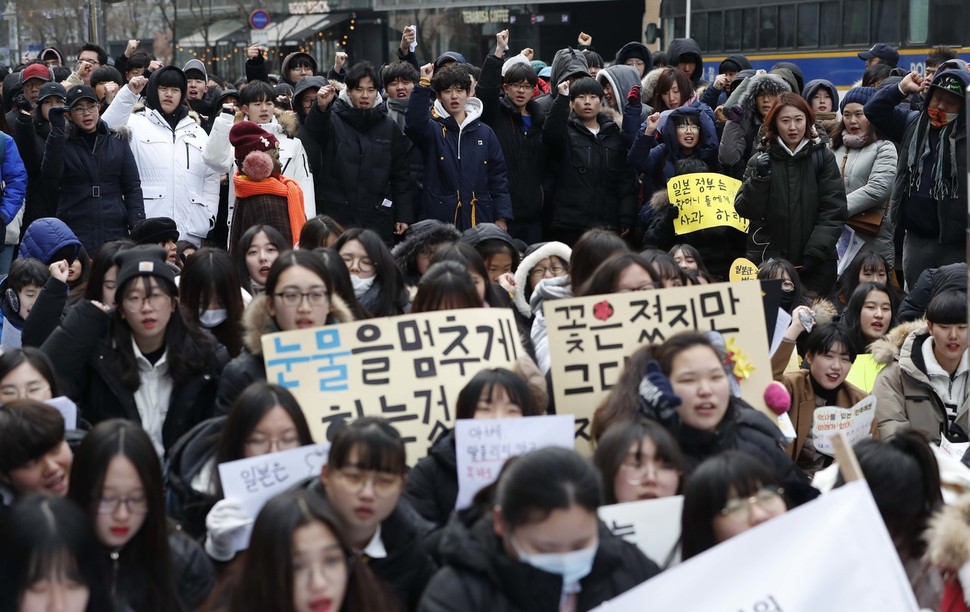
[
  {"x": 23, "y": 104},
  {"x": 762, "y": 167},
  {"x": 56, "y": 116},
  {"x": 657, "y": 398},
  {"x": 633, "y": 97},
  {"x": 223, "y": 522}
]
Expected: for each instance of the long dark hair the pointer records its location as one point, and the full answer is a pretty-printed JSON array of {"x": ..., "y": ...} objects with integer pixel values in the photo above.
[
  {"x": 665, "y": 82},
  {"x": 729, "y": 474},
  {"x": 486, "y": 380},
  {"x": 266, "y": 578},
  {"x": 379, "y": 446},
  {"x": 191, "y": 351},
  {"x": 47, "y": 536},
  {"x": 249, "y": 408},
  {"x": 773, "y": 269},
  {"x": 613, "y": 448},
  {"x": 144, "y": 576},
  {"x": 317, "y": 231},
  {"x": 445, "y": 286},
  {"x": 211, "y": 272},
  {"x": 238, "y": 251},
  {"x": 466, "y": 255},
  {"x": 35, "y": 358},
  {"x": 863, "y": 262},
  {"x": 342, "y": 285},
  {"x": 103, "y": 261},
  {"x": 392, "y": 298},
  {"x": 590, "y": 250},
  {"x": 852, "y": 315},
  {"x": 606, "y": 277}
]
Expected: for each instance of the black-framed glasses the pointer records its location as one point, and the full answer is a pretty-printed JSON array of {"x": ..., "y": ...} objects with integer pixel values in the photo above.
[{"x": 295, "y": 298}]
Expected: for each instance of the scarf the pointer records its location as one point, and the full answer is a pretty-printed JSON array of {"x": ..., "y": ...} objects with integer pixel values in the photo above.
[
  {"x": 945, "y": 181},
  {"x": 277, "y": 185},
  {"x": 855, "y": 142}
]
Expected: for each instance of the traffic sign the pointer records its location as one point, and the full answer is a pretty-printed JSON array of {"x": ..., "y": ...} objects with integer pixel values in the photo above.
[{"x": 259, "y": 19}]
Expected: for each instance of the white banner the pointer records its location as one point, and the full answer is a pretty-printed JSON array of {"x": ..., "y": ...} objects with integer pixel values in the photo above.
[{"x": 830, "y": 554}]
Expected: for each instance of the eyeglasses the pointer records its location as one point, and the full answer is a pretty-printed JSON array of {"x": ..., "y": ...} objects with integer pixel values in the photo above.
[
  {"x": 134, "y": 303},
  {"x": 86, "y": 60},
  {"x": 787, "y": 286},
  {"x": 738, "y": 509},
  {"x": 10, "y": 393},
  {"x": 363, "y": 264},
  {"x": 638, "y": 474},
  {"x": 354, "y": 481},
  {"x": 688, "y": 127},
  {"x": 85, "y": 110},
  {"x": 539, "y": 272},
  {"x": 295, "y": 298},
  {"x": 519, "y": 86},
  {"x": 333, "y": 566},
  {"x": 134, "y": 505},
  {"x": 263, "y": 446}
]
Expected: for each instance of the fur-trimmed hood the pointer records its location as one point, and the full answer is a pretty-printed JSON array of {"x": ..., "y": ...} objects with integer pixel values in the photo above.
[
  {"x": 759, "y": 83},
  {"x": 948, "y": 536},
  {"x": 256, "y": 321},
  {"x": 648, "y": 86},
  {"x": 418, "y": 235},
  {"x": 886, "y": 349},
  {"x": 285, "y": 122},
  {"x": 547, "y": 249}
]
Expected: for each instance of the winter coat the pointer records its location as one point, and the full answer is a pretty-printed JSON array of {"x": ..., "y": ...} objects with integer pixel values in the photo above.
[
  {"x": 365, "y": 179},
  {"x": 718, "y": 246},
  {"x": 797, "y": 212},
  {"x": 30, "y": 132},
  {"x": 899, "y": 126},
  {"x": 45, "y": 237},
  {"x": 79, "y": 350},
  {"x": 740, "y": 137},
  {"x": 533, "y": 256},
  {"x": 716, "y": 97},
  {"x": 595, "y": 187},
  {"x": 687, "y": 49},
  {"x": 480, "y": 576},
  {"x": 100, "y": 195},
  {"x": 432, "y": 489},
  {"x": 465, "y": 184},
  {"x": 14, "y": 178},
  {"x": 803, "y": 406},
  {"x": 175, "y": 181},
  {"x": 905, "y": 396},
  {"x": 930, "y": 282},
  {"x": 948, "y": 552},
  {"x": 295, "y": 164},
  {"x": 525, "y": 152},
  {"x": 261, "y": 209},
  {"x": 312, "y": 148},
  {"x": 192, "y": 454},
  {"x": 867, "y": 174},
  {"x": 565, "y": 63},
  {"x": 247, "y": 367},
  {"x": 418, "y": 236},
  {"x": 621, "y": 78},
  {"x": 546, "y": 291},
  {"x": 633, "y": 49},
  {"x": 656, "y": 155}
]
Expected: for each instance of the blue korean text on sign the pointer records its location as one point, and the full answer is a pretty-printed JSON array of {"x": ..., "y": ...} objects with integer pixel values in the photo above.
[{"x": 259, "y": 19}]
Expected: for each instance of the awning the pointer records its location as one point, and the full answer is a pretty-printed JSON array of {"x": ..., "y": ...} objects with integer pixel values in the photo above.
[
  {"x": 296, "y": 28},
  {"x": 218, "y": 31}
]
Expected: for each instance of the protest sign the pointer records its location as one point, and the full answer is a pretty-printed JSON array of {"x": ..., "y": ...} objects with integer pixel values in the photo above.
[
  {"x": 590, "y": 338},
  {"x": 705, "y": 200},
  {"x": 67, "y": 408},
  {"x": 854, "y": 422},
  {"x": 743, "y": 268},
  {"x": 483, "y": 445},
  {"x": 407, "y": 369},
  {"x": 844, "y": 557},
  {"x": 652, "y": 524},
  {"x": 254, "y": 480}
]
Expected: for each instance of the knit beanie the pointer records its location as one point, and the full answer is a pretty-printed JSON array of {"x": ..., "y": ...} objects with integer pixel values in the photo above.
[
  {"x": 858, "y": 95},
  {"x": 251, "y": 144}
]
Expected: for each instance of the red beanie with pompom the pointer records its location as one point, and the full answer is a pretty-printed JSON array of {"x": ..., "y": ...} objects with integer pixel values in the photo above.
[{"x": 251, "y": 144}]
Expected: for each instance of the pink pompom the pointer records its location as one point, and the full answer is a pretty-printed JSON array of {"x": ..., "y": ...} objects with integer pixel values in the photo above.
[
  {"x": 257, "y": 166},
  {"x": 777, "y": 397}
]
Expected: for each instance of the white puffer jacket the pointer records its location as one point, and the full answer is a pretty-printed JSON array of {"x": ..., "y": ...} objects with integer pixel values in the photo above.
[{"x": 175, "y": 182}]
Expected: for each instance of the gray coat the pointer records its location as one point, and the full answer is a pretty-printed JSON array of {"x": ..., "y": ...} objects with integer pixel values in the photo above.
[{"x": 867, "y": 174}]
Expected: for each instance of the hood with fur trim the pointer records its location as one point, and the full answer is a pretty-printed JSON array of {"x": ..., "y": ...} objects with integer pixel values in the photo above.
[
  {"x": 419, "y": 235},
  {"x": 547, "y": 249},
  {"x": 948, "y": 536},
  {"x": 747, "y": 94},
  {"x": 285, "y": 122},
  {"x": 621, "y": 78},
  {"x": 256, "y": 321},
  {"x": 648, "y": 86},
  {"x": 887, "y": 349}
]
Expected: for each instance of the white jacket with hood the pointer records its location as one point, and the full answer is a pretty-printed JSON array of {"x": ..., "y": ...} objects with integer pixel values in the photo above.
[{"x": 175, "y": 181}]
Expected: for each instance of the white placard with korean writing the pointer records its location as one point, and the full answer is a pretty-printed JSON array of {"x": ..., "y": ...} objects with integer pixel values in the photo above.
[
  {"x": 590, "y": 338},
  {"x": 855, "y": 422},
  {"x": 652, "y": 524},
  {"x": 844, "y": 557},
  {"x": 254, "y": 480},
  {"x": 407, "y": 369},
  {"x": 483, "y": 445}
]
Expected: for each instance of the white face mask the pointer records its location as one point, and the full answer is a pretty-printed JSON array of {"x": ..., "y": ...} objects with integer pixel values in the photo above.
[
  {"x": 572, "y": 566},
  {"x": 214, "y": 317},
  {"x": 361, "y": 285}
]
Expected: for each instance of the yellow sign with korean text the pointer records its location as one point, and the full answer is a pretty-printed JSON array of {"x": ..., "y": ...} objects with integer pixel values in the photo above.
[{"x": 705, "y": 200}]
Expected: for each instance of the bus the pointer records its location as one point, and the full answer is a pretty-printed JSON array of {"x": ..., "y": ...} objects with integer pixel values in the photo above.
[{"x": 822, "y": 36}]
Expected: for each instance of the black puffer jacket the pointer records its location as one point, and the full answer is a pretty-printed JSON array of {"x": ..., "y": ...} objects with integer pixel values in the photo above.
[
  {"x": 193, "y": 453},
  {"x": 797, "y": 212},
  {"x": 479, "y": 576},
  {"x": 80, "y": 350},
  {"x": 365, "y": 164},
  {"x": 594, "y": 187},
  {"x": 432, "y": 487},
  {"x": 525, "y": 153},
  {"x": 30, "y": 133},
  {"x": 931, "y": 282},
  {"x": 100, "y": 196}
]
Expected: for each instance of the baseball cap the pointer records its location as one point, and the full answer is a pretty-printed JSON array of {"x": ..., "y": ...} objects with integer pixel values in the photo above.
[
  {"x": 78, "y": 93},
  {"x": 35, "y": 71},
  {"x": 51, "y": 89},
  {"x": 883, "y": 52}
]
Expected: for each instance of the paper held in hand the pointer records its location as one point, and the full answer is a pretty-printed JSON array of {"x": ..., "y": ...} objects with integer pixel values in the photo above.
[
  {"x": 482, "y": 447},
  {"x": 254, "y": 480},
  {"x": 854, "y": 422}
]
